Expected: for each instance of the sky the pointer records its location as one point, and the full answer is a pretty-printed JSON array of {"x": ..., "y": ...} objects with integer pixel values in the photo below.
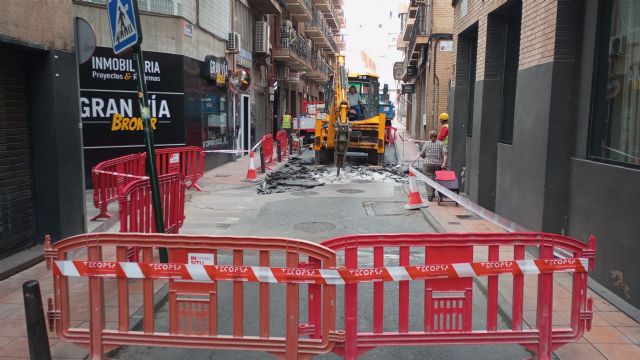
[{"x": 373, "y": 25}]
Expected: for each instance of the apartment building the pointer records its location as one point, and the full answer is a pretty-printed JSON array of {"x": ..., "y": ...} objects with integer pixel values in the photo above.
[
  {"x": 426, "y": 39},
  {"x": 545, "y": 120}
]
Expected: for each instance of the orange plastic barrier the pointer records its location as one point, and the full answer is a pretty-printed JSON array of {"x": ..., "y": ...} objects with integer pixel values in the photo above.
[
  {"x": 448, "y": 307},
  {"x": 194, "y": 318},
  {"x": 443, "y": 264},
  {"x": 136, "y": 209},
  {"x": 267, "y": 151},
  {"x": 105, "y": 179},
  {"x": 189, "y": 158},
  {"x": 283, "y": 140}
]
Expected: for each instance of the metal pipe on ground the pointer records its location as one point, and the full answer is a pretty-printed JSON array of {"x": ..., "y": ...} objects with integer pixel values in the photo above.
[{"x": 36, "y": 327}]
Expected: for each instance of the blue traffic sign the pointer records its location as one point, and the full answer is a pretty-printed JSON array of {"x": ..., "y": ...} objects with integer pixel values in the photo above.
[{"x": 125, "y": 27}]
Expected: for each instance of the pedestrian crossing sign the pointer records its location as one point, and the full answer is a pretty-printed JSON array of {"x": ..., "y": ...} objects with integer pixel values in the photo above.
[{"x": 125, "y": 24}]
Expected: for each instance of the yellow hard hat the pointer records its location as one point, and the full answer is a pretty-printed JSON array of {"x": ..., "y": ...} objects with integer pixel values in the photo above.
[{"x": 444, "y": 116}]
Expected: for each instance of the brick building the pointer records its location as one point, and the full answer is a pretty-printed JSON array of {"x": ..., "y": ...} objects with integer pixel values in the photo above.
[
  {"x": 545, "y": 120},
  {"x": 426, "y": 38}
]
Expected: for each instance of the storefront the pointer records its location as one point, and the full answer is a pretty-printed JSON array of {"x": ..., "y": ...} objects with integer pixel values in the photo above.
[{"x": 187, "y": 97}]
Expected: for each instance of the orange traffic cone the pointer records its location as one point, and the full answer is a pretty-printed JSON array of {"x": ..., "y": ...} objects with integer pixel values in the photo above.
[
  {"x": 251, "y": 172},
  {"x": 415, "y": 201}
]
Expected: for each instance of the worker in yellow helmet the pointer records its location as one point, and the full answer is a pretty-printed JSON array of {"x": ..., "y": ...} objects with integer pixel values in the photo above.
[{"x": 444, "y": 129}]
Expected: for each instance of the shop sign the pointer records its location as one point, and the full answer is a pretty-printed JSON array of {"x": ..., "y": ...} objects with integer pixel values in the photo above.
[
  {"x": 408, "y": 88},
  {"x": 294, "y": 76},
  {"x": 412, "y": 70},
  {"x": 215, "y": 69},
  {"x": 244, "y": 59},
  {"x": 109, "y": 107}
]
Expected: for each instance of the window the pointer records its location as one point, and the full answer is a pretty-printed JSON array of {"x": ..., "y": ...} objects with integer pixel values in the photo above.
[
  {"x": 615, "y": 117},
  {"x": 215, "y": 120},
  {"x": 510, "y": 71}
]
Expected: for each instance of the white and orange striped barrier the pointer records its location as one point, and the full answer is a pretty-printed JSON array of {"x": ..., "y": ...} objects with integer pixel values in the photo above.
[{"x": 204, "y": 273}]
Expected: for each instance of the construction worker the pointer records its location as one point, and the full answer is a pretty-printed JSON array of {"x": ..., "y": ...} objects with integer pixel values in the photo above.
[
  {"x": 286, "y": 122},
  {"x": 444, "y": 128}
]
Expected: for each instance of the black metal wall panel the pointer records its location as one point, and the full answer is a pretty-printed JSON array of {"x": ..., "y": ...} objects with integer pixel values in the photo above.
[{"x": 17, "y": 225}]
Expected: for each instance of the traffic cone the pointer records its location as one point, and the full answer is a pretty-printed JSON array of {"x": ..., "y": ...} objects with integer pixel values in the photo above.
[
  {"x": 251, "y": 172},
  {"x": 415, "y": 201}
]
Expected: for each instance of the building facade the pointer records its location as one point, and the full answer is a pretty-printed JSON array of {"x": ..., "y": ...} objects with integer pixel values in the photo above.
[
  {"x": 59, "y": 118},
  {"x": 306, "y": 41},
  {"x": 545, "y": 122},
  {"x": 426, "y": 39},
  {"x": 41, "y": 186}
]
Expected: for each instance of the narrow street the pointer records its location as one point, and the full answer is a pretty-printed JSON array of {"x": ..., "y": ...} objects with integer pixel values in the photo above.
[{"x": 341, "y": 206}]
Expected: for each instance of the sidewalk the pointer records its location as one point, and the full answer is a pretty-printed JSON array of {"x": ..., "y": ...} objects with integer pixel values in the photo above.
[{"x": 613, "y": 335}]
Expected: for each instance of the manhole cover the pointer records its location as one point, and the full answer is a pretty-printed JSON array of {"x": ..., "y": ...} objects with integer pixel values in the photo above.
[
  {"x": 468, "y": 217},
  {"x": 304, "y": 193},
  {"x": 350, "y": 191},
  {"x": 313, "y": 227}
]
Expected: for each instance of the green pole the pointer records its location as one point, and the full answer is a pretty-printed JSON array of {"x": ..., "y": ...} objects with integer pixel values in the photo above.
[{"x": 145, "y": 114}]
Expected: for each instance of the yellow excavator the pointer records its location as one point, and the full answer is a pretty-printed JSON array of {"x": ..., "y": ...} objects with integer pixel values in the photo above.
[{"x": 339, "y": 131}]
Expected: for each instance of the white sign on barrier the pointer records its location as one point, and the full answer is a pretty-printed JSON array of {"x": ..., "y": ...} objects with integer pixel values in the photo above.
[{"x": 200, "y": 259}]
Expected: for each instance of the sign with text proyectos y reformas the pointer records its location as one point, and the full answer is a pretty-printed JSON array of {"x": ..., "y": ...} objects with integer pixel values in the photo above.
[{"x": 109, "y": 104}]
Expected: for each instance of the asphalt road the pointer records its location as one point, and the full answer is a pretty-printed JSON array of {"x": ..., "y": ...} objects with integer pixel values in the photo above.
[{"x": 315, "y": 214}]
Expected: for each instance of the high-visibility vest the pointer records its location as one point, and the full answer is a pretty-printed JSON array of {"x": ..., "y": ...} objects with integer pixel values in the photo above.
[{"x": 286, "y": 121}]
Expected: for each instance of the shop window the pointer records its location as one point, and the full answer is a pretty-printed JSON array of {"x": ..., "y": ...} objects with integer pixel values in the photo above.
[
  {"x": 215, "y": 121},
  {"x": 615, "y": 117}
]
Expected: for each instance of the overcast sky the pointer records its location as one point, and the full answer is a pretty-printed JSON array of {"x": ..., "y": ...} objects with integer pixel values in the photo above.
[{"x": 373, "y": 25}]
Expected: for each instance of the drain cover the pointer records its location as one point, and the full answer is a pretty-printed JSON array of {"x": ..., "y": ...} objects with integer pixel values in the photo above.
[
  {"x": 314, "y": 227},
  {"x": 304, "y": 193},
  {"x": 350, "y": 191}
]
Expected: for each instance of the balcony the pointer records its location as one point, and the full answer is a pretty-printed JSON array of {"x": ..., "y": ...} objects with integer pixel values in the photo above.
[
  {"x": 419, "y": 36},
  {"x": 323, "y": 5},
  {"x": 320, "y": 33},
  {"x": 341, "y": 21},
  {"x": 266, "y": 6},
  {"x": 300, "y": 9},
  {"x": 340, "y": 42},
  {"x": 401, "y": 44},
  {"x": 331, "y": 17},
  {"x": 320, "y": 71},
  {"x": 292, "y": 50},
  {"x": 406, "y": 34},
  {"x": 338, "y": 4}
]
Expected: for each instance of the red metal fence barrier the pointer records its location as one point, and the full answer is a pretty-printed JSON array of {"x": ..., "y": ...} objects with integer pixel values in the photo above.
[
  {"x": 267, "y": 151},
  {"x": 447, "y": 314},
  {"x": 283, "y": 140},
  {"x": 194, "y": 319},
  {"x": 187, "y": 160},
  {"x": 445, "y": 263},
  {"x": 105, "y": 179},
  {"x": 136, "y": 210},
  {"x": 190, "y": 160}
]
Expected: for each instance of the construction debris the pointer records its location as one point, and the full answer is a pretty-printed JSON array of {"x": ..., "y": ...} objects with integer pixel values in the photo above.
[{"x": 300, "y": 173}]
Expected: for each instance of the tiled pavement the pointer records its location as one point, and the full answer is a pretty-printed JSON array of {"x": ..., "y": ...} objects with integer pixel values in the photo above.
[{"x": 613, "y": 335}]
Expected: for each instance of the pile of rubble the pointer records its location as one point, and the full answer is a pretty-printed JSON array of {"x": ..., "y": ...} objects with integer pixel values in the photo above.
[{"x": 300, "y": 174}]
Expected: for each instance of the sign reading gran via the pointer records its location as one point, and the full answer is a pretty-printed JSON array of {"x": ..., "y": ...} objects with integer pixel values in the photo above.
[{"x": 125, "y": 25}]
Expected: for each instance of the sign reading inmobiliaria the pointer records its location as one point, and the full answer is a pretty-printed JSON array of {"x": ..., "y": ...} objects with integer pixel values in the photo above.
[{"x": 109, "y": 104}]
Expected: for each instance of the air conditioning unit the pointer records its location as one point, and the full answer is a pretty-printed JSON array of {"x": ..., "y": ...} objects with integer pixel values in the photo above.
[
  {"x": 233, "y": 43},
  {"x": 262, "y": 37}
]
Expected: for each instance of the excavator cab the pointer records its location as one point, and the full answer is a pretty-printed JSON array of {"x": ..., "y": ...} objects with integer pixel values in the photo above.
[{"x": 340, "y": 132}]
